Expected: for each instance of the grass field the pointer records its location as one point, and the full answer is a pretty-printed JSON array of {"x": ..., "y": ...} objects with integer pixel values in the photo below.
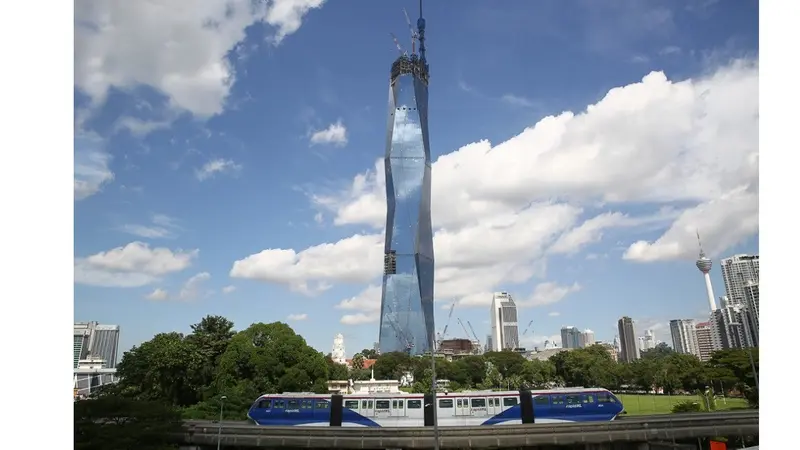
[{"x": 638, "y": 405}]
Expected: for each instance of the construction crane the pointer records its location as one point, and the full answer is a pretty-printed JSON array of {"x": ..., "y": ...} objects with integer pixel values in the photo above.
[
  {"x": 443, "y": 334},
  {"x": 516, "y": 344},
  {"x": 414, "y": 34},
  {"x": 474, "y": 335},
  {"x": 397, "y": 44},
  {"x": 399, "y": 331}
]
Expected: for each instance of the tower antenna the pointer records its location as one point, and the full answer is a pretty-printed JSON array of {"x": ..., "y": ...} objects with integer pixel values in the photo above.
[{"x": 421, "y": 33}]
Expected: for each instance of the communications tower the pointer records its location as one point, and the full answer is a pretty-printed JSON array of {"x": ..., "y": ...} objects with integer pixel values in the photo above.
[{"x": 704, "y": 264}]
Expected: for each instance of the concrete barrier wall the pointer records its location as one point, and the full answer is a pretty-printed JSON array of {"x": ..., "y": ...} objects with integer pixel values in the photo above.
[{"x": 638, "y": 430}]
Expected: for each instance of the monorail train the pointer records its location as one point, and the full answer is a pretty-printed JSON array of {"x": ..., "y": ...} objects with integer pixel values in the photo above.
[{"x": 454, "y": 409}]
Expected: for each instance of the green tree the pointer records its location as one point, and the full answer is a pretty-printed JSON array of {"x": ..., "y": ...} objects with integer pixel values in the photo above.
[
  {"x": 369, "y": 353},
  {"x": 391, "y": 366},
  {"x": 336, "y": 371},
  {"x": 358, "y": 361},
  {"x": 209, "y": 340},
  {"x": 507, "y": 362},
  {"x": 274, "y": 358},
  {"x": 119, "y": 423},
  {"x": 468, "y": 371},
  {"x": 162, "y": 368}
]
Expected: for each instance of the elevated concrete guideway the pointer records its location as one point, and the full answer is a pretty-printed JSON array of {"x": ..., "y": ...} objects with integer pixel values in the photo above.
[{"x": 634, "y": 433}]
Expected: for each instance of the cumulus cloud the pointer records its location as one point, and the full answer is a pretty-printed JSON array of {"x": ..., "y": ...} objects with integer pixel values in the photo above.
[
  {"x": 297, "y": 317},
  {"x": 683, "y": 152},
  {"x": 158, "y": 294},
  {"x": 335, "y": 134},
  {"x": 367, "y": 302},
  {"x": 217, "y": 166},
  {"x": 549, "y": 293},
  {"x": 161, "y": 226},
  {"x": 194, "y": 287},
  {"x": 228, "y": 289},
  {"x": 133, "y": 265},
  {"x": 178, "y": 48},
  {"x": 92, "y": 161}
]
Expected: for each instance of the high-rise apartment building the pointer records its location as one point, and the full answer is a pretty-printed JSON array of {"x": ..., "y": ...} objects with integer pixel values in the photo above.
[
  {"x": 684, "y": 336},
  {"x": 627, "y": 339},
  {"x": 407, "y": 322},
  {"x": 505, "y": 329},
  {"x": 752, "y": 304},
  {"x": 587, "y": 338},
  {"x": 647, "y": 342},
  {"x": 705, "y": 345},
  {"x": 571, "y": 337},
  {"x": 97, "y": 340},
  {"x": 736, "y": 272}
]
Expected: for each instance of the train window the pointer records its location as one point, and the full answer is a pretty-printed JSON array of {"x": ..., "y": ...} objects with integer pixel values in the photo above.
[
  {"x": 604, "y": 397},
  {"x": 292, "y": 404},
  {"x": 573, "y": 399},
  {"x": 541, "y": 400},
  {"x": 496, "y": 401},
  {"x": 323, "y": 404},
  {"x": 264, "y": 404},
  {"x": 394, "y": 404},
  {"x": 351, "y": 404},
  {"x": 446, "y": 403},
  {"x": 363, "y": 404},
  {"x": 414, "y": 404},
  {"x": 588, "y": 398},
  {"x": 557, "y": 399},
  {"x": 479, "y": 403},
  {"x": 279, "y": 404},
  {"x": 369, "y": 404},
  {"x": 509, "y": 401},
  {"x": 381, "y": 404},
  {"x": 306, "y": 404}
]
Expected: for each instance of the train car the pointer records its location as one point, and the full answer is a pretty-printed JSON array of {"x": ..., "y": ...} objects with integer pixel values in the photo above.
[{"x": 454, "y": 409}]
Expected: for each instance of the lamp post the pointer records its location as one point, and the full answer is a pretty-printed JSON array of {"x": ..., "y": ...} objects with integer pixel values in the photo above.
[
  {"x": 435, "y": 400},
  {"x": 219, "y": 429}
]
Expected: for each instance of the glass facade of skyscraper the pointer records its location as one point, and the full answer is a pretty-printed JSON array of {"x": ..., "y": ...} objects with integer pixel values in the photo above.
[{"x": 407, "y": 323}]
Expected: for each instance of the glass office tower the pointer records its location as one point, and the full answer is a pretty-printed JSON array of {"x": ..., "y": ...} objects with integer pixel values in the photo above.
[{"x": 407, "y": 296}]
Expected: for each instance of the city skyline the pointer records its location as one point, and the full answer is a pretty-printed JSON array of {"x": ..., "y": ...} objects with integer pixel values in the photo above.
[{"x": 561, "y": 172}]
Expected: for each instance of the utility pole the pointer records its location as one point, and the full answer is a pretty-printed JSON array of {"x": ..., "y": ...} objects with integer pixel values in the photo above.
[{"x": 435, "y": 400}]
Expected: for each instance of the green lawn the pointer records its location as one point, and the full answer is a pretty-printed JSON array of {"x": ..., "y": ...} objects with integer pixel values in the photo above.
[{"x": 637, "y": 405}]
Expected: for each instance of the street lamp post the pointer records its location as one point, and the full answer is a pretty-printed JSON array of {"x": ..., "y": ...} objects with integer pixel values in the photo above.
[
  {"x": 219, "y": 429},
  {"x": 435, "y": 405}
]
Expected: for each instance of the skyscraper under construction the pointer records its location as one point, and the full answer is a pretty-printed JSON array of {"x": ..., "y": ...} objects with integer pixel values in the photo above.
[{"x": 407, "y": 296}]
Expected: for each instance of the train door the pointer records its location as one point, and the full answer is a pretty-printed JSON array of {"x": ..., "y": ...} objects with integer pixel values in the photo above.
[
  {"x": 493, "y": 406},
  {"x": 398, "y": 408},
  {"x": 367, "y": 408},
  {"x": 462, "y": 407}
]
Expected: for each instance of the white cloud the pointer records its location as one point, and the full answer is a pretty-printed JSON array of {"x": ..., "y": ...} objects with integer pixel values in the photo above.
[
  {"x": 499, "y": 211},
  {"x": 133, "y": 265},
  {"x": 228, "y": 289},
  {"x": 215, "y": 166},
  {"x": 92, "y": 169},
  {"x": 516, "y": 100},
  {"x": 297, "y": 317},
  {"x": 161, "y": 227},
  {"x": 367, "y": 302},
  {"x": 158, "y": 294},
  {"x": 534, "y": 340},
  {"x": 548, "y": 293},
  {"x": 194, "y": 287},
  {"x": 725, "y": 221},
  {"x": 335, "y": 134},
  {"x": 554, "y": 314},
  {"x": 178, "y": 48}
]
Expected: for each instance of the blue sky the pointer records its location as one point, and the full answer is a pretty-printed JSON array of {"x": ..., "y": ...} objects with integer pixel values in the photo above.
[{"x": 250, "y": 132}]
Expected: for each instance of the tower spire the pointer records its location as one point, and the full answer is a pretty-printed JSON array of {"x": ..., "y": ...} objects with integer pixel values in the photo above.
[
  {"x": 421, "y": 33},
  {"x": 700, "y": 244}
]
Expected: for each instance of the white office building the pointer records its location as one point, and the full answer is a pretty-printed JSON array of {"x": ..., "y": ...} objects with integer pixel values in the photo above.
[
  {"x": 684, "y": 336},
  {"x": 505, "y": 329},
  {"x": 737, "y": 271}
]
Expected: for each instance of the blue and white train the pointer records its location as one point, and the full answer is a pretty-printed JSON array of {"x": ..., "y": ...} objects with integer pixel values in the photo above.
[{"x": 454, "y": 409}]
